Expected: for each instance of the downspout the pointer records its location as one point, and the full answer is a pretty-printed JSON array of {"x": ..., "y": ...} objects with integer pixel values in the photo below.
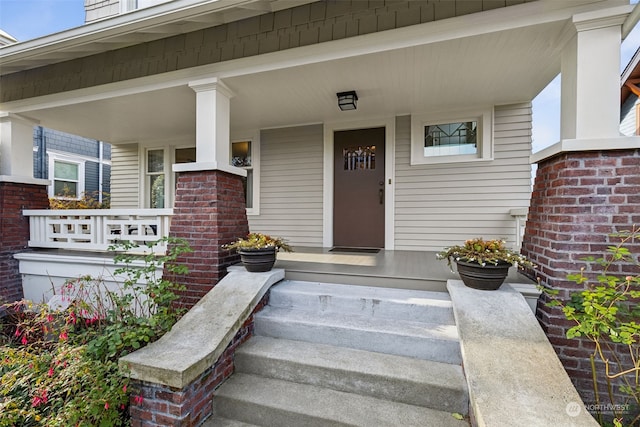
[
  {"x": 100, "y": 173},
  {"x": 631, "y": 21}
]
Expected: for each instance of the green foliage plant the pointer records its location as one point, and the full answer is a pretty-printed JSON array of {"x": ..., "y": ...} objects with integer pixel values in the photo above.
[
  {"x": 259, "y": 241},
  {"x": 483, "y": 252},
  {"x": 607, "y": 313},
  {"x": 59, "y": 367},
  {"x": 68, "y": 200}
]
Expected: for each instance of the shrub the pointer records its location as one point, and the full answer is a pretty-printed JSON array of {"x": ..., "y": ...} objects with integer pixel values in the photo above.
[
  {"x": 607, "y": 313},
  {"x": 60, "y": 367}
]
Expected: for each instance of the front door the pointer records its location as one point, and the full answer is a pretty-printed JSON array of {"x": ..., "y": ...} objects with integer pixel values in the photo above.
[{"x": 358, "y": 193}]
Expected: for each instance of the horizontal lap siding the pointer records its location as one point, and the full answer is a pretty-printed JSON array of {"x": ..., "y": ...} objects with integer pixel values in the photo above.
[
  {"x": 125, "y": 177},
  {"x": 291, "y": 162},
  {"x": 440, "y": 205}
]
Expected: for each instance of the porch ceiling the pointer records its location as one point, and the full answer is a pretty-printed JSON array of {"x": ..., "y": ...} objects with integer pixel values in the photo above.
[{"x": 494, "y": 68}]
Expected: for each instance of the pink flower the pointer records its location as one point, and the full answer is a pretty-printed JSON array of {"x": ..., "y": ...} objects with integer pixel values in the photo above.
[
  {"x": 24, "y": 340},
  {"x": 106, "y": 405},
  {"x": 50, "y": 318},
  {"x": 63, "y": 336},
  {"x": 17, "y": 334},
  {"x": 124, "y": 388},
  {"x": 50, "y": 373},
  {"x": 138, "y": 400}
]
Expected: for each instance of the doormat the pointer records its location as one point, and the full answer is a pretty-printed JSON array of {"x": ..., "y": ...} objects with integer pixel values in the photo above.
[{"x": 357, "y": 250}]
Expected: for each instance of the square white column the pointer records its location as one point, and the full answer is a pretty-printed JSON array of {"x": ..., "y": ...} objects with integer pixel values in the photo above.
[
  {"x": 16, "y": 147},
  {"x": 213, "y": 112},
  {"x": 590, "y": 105}
]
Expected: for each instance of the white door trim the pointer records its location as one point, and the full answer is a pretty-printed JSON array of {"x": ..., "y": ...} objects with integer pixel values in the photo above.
[{"x": 389, "y": 124}]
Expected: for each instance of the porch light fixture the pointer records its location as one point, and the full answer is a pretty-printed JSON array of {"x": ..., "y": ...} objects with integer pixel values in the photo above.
[{"x": 347, "y": 100}]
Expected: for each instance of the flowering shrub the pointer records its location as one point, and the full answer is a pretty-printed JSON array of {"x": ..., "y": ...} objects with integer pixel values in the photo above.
[
  {"x": 60, "y": 367},
  {"x": 259, "y": 241},
  {"x": 484, "y": 252}
]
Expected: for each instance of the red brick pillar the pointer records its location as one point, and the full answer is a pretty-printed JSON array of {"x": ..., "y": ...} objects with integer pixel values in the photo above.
[
  {"x": 578, "y": 200},
  {"x": 14, "y": 232},
  {"x": 209, "y": 211}
]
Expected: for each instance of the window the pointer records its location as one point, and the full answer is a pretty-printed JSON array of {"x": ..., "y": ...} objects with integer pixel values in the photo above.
[
  {"x": 67, "y": 177},
  {"x": 241, "y": 157},
  {"x": 638, "y": 119},
  {"x": 448, "y": 138},
  {"x": 155, "y": 179}
]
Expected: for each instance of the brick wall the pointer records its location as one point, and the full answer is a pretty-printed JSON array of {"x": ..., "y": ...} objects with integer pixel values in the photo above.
[
  {"x": 303, "y": 25},
  {"x": 209, "y": 211},
  {"x": 14, "y": 232},
  {"x": 578, "y": 200},
  {"x": 165, "y": 406}
]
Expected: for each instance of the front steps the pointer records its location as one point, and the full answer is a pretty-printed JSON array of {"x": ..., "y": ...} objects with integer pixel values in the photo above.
[{"x": 335, "y": 355}]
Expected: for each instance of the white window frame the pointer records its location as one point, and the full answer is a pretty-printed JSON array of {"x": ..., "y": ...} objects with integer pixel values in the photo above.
[
  {"x": 146, "y": 174},
  {"x": 53, "y": 158},
  {"x": 169, "y": 148},
  {"x": 254, "y": 138},
  {"x": 483, "y": 116}
]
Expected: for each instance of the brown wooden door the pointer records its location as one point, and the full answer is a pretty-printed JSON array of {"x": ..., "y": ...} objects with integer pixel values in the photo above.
[{"x": 358, "y": 193}]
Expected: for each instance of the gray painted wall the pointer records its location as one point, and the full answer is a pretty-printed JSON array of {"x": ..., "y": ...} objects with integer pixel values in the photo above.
[{"x": 628, "y": 119}]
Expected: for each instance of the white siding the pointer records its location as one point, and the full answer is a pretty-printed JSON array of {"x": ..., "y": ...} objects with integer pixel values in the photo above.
[
  {"x": 443, "y": 204},
  {"x": 629, "y": 119},
  {"x": 291, "y": 185},
  {"x": 125, "y": 176}
]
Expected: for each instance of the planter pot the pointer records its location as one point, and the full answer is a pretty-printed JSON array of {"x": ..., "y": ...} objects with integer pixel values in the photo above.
[
  {"x": 258, "y": 260},
  {"x": 487, "y": 278}
]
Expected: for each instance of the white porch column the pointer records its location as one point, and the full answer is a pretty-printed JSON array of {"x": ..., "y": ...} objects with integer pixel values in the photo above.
[
  {"x": 590, "y": 106},
  {"x": 213, "y": 111},
  {"x": 16, "y": 147}
]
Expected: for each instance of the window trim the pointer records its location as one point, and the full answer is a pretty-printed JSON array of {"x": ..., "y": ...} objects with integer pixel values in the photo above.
[
  {"x": 484, "y": 117},
  {"x": 55, "y": 157},
  {"x": 254, "y": 138}
]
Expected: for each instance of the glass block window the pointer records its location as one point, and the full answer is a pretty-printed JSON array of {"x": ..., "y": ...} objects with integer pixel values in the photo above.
[{"x": 451, "y": 139}]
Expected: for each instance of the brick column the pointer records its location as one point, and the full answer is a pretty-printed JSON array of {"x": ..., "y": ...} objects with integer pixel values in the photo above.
[
  {"x": 209, "y": 211},
  {"x": 14, "y": 232},
  {"x": 578, "y": 200}
]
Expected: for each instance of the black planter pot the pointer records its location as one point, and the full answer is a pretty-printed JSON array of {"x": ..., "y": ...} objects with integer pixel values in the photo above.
[
  {"x": 487, "y": 278},
  {"x": 258, "y": 260}
]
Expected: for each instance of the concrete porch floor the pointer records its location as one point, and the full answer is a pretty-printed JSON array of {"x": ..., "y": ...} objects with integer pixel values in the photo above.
[{"x": 388, "y": 268}]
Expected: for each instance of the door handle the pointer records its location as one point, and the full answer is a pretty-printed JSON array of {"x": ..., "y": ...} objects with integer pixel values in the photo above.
[{"x": 381, "y": 194}]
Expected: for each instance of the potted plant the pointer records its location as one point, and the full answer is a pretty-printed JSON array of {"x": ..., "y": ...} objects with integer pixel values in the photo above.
[
  {"x": 258, "y": 251},
  {"x": 483, "y": 264}
]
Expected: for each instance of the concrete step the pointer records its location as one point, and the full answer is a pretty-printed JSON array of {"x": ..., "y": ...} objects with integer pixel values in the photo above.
[
  {"x": 402, "y": 379},
  {"x": 430, "y": 341},
  {"x": 421, "y": 306},
  {"x": 225, "y": 422},
  {"x": 272, "y": 402}
]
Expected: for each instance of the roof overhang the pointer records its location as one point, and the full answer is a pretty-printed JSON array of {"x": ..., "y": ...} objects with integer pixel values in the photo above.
[
  {"x": 501, "y": 56},
  {"x": 138, "y": 26}
]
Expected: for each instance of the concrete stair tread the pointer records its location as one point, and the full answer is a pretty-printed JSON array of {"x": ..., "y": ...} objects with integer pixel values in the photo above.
[
  {"x": 382, "y": 325},
  {"x": 272, "y": 402},
  {"x": 404, "y": 304},
  {"x": 404, "y": 379},
  {"x": 401, "y": 295},
  {"x": 225, "y": 422},
  {"x": 421, "y": 340}
]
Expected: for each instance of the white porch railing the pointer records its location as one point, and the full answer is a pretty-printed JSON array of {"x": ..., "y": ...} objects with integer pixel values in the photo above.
[{"x": 97, "y": 229}]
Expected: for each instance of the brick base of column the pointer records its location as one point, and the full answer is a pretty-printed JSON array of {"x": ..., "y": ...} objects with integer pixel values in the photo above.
[
  {"x": 14, "y": 232},
  {"x": 578, "y": 200},
  {"x": 209, "y": 211}
]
